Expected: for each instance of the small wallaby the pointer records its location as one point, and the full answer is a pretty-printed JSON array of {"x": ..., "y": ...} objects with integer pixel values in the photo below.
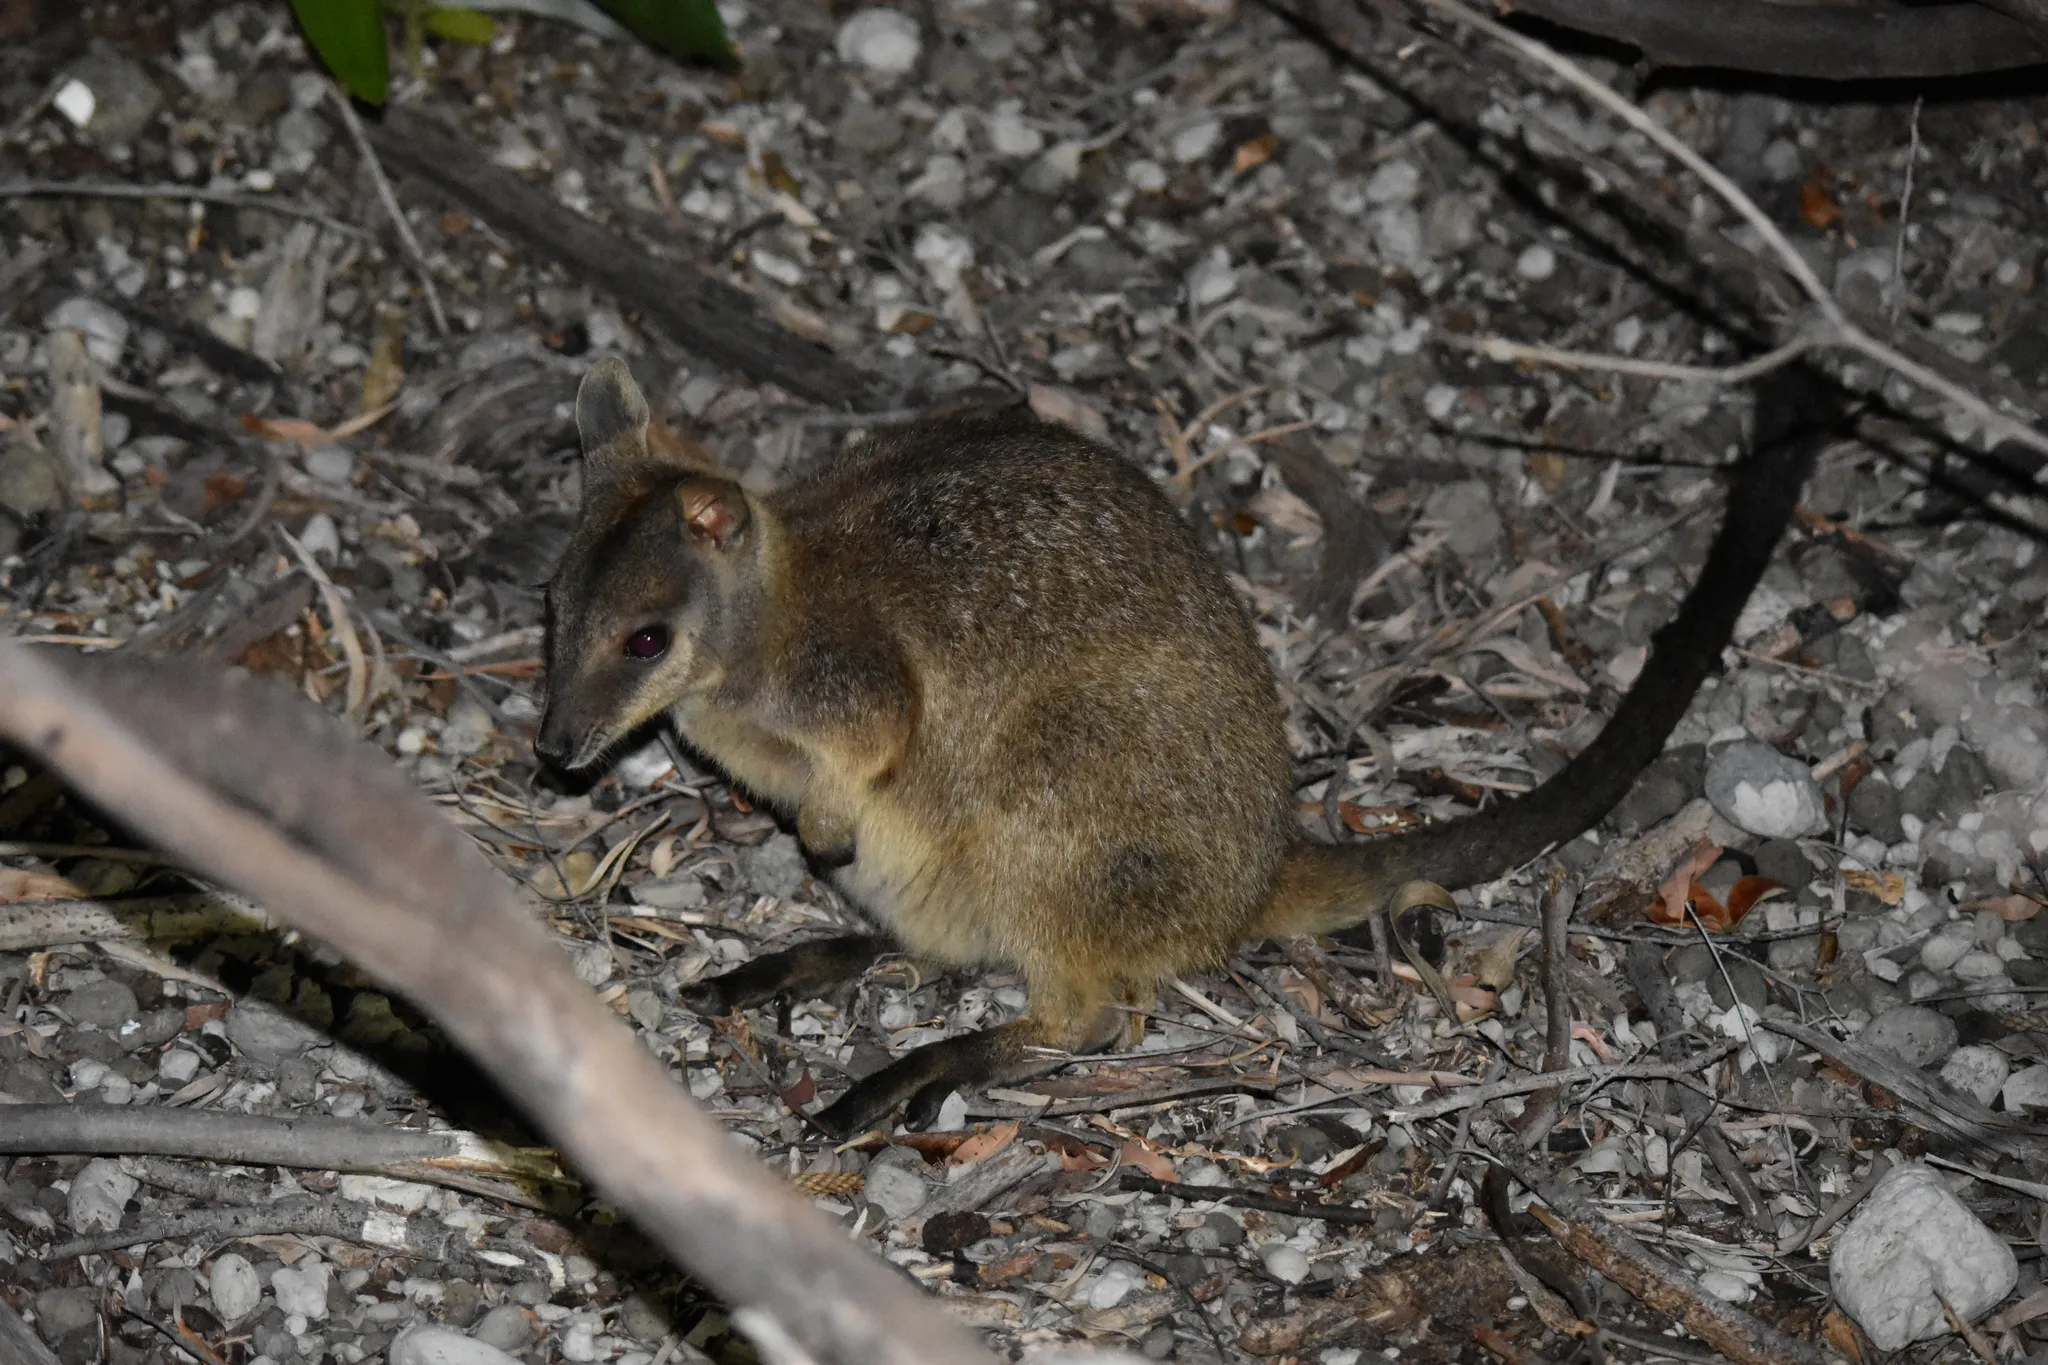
[{"x": 996, "y": 679}]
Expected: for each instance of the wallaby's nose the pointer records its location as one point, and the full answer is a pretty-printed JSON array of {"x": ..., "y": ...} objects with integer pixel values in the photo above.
[{"x": 553, "y": 743}]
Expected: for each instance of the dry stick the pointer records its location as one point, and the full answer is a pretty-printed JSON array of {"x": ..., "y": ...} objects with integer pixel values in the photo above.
[
  {"x": 1547, "y": 1080},
  {"x": 1338, "y": 986},
  {"x": 1345, "y": 1214},
  {"x": 93, "y": 189},
  {"x": 462, "y": 945},
  {"x": 1838, "y": 329},
  {"x": 1646, "y": 973},
  {"x": 406, "y": 240},
  {"x": 1539, "y": 1118},
  {"x": 310, "y": 1217},
  {"x": 1579, "y": 1226}
]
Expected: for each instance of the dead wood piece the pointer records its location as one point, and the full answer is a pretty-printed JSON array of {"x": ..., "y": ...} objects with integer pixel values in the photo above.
[
  {"x": 704, "y": 314},
  {"x": 346, "y": 1220},
  {"x": 1251, "y": 1199},
  {"x": 348, "y": 851},
  {"x": 1357, "y": 1319},
  {"x": 161, "y": 920},
  {"x": 1338, "y": 986},
  {"x": 1581, "y": 1229},
  {"x": 1931, "y": 1104},
  {"x": 314, "y": 1144},
  {"x": 1810, "y": 41}
]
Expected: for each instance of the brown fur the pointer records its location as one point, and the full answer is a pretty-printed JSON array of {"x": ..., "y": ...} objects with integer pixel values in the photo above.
[{"x": 986, "y": 659}]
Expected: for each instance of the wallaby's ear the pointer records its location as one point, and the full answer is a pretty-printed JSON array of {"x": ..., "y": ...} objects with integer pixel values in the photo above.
[
  {"x": 714, "y": 511},
  {"x": 611, "y": 419}
]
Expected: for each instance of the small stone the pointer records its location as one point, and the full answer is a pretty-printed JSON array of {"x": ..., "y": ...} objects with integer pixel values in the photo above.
[
  {"x": 1197, "y": 140},
  {"x": 1470, "y": 521},
  {"x": 1946, "y": 948},
  {"x": 429, "y": 1343},
  {"x": 469, "y": 728},
  {"x": 508, "y": 1327},
  {"x": 1978, "y": 966},
  {"x": 1536, "y": 263},
  {"x": 1912, "y": 1244},
  {"x": 105, "y": 1004},
  {"x": 867, "y": 129},
  {"x": 60, "y": 1312},
  {"x": 894, "y": 1189},
  {"x": 233, "y": 1286},
  {"x": 643, "y": 1318},
  {"x": 775, "y": 867},
  {"x": 671, "y": 894},
  {"x": 123, "y": 97},
  {"x": 1914, "y": 1034},
  {"x": 461, "y": 1301},
  {"x": 265, "y": 1033},
  {"x": 302, "y": 1290},
  {"x": 1009, "y": 135},
  {"x": 1977, "y": 1071},
  {"x": 883, "y": 41},
  {"x": 29, "y": 482},
  {"x": 1284, "y": 1262},
  {"x": 321, "y": 537},
  {"x": 1111, "y": 1286},
  {"x": 2025, "y": 1089},
  {"x": 105, "y": 329},
  {"x": 1757, "y": 789},
  {"x": 99, "y": 1196},
  {"x": 334, "y": 465},
  {"x": 1212, "y": 280},
  {"x": 1782, "y": 161}
]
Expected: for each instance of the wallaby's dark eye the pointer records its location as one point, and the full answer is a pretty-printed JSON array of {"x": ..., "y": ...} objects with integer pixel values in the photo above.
[{"x": 648, "y": 642}]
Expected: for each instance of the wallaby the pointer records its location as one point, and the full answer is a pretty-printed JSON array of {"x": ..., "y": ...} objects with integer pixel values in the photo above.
[{"x": 994, "y": 677}]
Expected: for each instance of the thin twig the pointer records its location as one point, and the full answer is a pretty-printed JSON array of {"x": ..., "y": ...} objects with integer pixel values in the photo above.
[
  {"x": 406, "y": 240},
  {"x": 1905, "y": 218},
  {"x": 1544, "y": 1080},
  {"x": 1505, "y": 351},
  {"x": 97, "y": 189},
  {"x": 1839, "y": 328}
]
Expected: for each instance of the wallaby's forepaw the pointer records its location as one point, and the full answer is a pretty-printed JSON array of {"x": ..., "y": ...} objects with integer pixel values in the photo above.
[{"x": 801, "y": 971}]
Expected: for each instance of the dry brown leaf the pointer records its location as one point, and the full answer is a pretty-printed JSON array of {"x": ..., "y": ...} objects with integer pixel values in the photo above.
[
  {"x": 1145, "y": 1157},
  {"x": 1063, "y": 408},
  {"x": 2009, "y": 908},
  {"x": 983, "y": 1145},
  {"x": 312, "y": 433},
  {"x": 1889, "y": 887},
  {"x": 1817, "y": 206},
  {"x": 1676, "y": 892},
  {"x": 1255, "y": 153},
  {"x": 1495, "y": 966},
  {"x": 18, "y": 885}
]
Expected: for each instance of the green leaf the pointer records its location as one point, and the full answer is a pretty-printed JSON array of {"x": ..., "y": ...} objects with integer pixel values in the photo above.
[
  {"x": 461, "y": 25},
  {"x": 348, "y": 36},
  {"x": 690, "y": 29}
]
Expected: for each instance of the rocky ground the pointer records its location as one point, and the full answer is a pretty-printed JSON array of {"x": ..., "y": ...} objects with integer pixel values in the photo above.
[{"x": 262, "y": 429}]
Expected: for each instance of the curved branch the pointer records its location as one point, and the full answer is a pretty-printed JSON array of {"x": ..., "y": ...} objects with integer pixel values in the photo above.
[
  {"x": 346, "y": 850},
  {"x": 1805, "y": 41}
]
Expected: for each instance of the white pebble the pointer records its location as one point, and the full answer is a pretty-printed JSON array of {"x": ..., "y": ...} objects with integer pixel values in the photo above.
[
  {"x": 1009, "y": 134},
  {"x": 235, "y": 1289},
  {"x": 244, "y": 303},
  {"x": 76, "y": 102},
  {"x": 321, "y": 536},
  {"x": 303, "y": 1290},
  {"x": 1195, "y": 142},
  {"x": 1212, "y": 280},
  {"x": 884, "y": 41},
  {"x": 1977, "y": 1071},
  {"x": 1111, "y": 1286},
  {"x": 1284, "y": 1263},
  {"x": 98, "y": 1196},
  {"x": 429, "y": 1343},
  {"x": 1912, "y": 1244},
  {"x": 1536, "y": 263},
  {"x": 178, "y": 1066},
  {"x": 1397, "y": 182}
]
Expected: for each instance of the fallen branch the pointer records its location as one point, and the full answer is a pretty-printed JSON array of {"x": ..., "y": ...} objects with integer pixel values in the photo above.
[
  {"x": 160, "y": 920},
  {"x": 1811, "y": 41},
  {"x": 702, "y": 313},
  {"x": 1344, "y": 1214},
  {"x": 352, "y": 854},
  {"x": 191, "y": 194},
  {"x": 1580, "y": 1228},
  {"x": 345, "y": 1220},
  {"x": 1548, "y": 1080}
]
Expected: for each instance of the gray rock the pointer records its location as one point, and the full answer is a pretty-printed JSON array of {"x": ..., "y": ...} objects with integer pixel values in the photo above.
[
  {"x": 153, "y": 1029},
  {"x": 1782, "y": 861},
  {"x": 461, "y": 1301},
  {"x": 1894, "y": 723},
  {"x": 430, "y": 1343},
  {"x": 30, "y": 484},
  {"x": 125, "y": 99},
  {"x": 1977, "y": 1071},
  {"x": 331, "y": 464},
  {"x": 105, "y": 1004},
  {"x": 1471, "y": 524},
  {"x": 234, "y": 1287},
  {"x": 1915, "y": 1034},
  {"x": 683, "y": 892},
  {"x": 105, "y": 329},
  {"x": 2025, "y": 1089},
  {"x": 302, "y": 1289},
  {"x": 99, "y": 1195},
  {"x": 867, "y": 129},
  {"x": 507, "y": 1327},
  {"x": 60, "y": 1312},
  {"x": 2027, "y": 971},
  {"x": 894, "y": 1188},
  {"x": 642, "y": 1317},
  {"x": 1947, "y": 947},
  {"x": 1755, "y": 788},
  {"x": 1695, "y": 962},
  {"x": 1663, "y": 789},
  {"x": 1912, "y": 1244},
  {"x": 265, "y": 1033},
  {"x": 775, "y": 867},
  {"x": 1874, "y": 809}
]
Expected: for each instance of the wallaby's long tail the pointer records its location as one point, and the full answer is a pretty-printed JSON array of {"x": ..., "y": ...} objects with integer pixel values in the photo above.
[{"x": 1323, "y": 889}]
